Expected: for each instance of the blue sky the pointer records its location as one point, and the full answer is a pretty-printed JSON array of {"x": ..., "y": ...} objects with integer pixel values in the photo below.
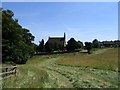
[{"x": 84, "y": 21}]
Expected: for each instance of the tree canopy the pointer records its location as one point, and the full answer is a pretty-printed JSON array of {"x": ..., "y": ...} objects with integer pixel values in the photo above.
[
  {"x": 88, "y": 46},
  {"x": 72, "y": 44},
  {"x": 41, "y": 46},
  {"x": 79, "y": 44},
  {"x": 96, "y": 43},
  {"x": 48, "y": 47},
  {"x": 17, "y": 43}
]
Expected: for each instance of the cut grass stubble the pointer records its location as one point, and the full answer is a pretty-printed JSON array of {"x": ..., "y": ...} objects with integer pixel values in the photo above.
[
  {"x": 105, "y": 60},
  {"x": 76, "y": 68}
]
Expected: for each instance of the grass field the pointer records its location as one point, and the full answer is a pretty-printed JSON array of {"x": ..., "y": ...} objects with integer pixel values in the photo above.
[
  {"x": 28, "y": 76},
  {"x": 96, "y": 70},
  {"x": 101, "y": 59}
]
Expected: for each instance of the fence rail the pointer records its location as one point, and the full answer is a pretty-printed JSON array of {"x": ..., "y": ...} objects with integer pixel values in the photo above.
[{"x": 7, "y": 71}]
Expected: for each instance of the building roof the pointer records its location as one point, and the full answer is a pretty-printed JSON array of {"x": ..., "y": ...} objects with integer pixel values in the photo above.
[
  {"x": 61, "y": 38},
  {"x": 108, "y": 42},
  {"x": 56, "y": 39}
]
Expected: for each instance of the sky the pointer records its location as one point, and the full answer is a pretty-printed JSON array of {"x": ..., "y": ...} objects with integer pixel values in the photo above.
[{"x": 84, "y": 21}]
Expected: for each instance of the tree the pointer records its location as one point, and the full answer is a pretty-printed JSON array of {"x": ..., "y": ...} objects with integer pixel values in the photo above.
[
  {"x": 72, "y": 44},
  {"x": 96, "y": 43},
  {"x": 48, "y": 47},
  {"x": 88, "y": 46},
  {"x": 17, "y": 43},
  {"x": 41, "y": 45},
  {"x": 79, "y": 45}
]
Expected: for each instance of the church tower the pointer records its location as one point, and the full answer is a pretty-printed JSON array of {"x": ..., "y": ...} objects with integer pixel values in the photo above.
[
  {"x": 64, "y": 39},
  {"x": 64, "y": 35}
]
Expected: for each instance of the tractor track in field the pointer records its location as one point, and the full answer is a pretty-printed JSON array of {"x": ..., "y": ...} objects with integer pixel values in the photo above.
[
  {"x": 78, "y": 77},
  {"x": 49, "y": 67},
  {"x": 63, "y": 75}
]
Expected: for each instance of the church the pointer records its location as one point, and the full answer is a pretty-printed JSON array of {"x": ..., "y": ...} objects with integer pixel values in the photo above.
[{"x": 57, "y": 43}]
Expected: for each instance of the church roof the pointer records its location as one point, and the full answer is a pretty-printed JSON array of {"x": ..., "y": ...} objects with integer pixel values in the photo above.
[{"x": 56, "y": 38}]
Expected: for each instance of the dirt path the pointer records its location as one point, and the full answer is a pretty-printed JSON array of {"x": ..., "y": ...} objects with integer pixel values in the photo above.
[{"x": 67, "y": 76}]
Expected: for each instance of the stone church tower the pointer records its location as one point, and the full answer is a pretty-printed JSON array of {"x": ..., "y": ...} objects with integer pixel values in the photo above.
[{"x": 64, "y": 39}]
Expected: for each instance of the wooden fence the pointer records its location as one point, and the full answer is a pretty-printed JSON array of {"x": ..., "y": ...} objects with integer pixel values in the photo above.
[{"x": 7, "y": 71}]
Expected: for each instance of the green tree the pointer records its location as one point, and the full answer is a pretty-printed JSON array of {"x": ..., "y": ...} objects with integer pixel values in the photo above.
[
  {"x": 71, "y": 44},
  {"x": 41, "y": 45},
  {"x": 79, "y": 44},
  {"x": 96, "y": 43},
  {"x": 88, "y": 46},
  {"x": 48, "y": 47},
  {"x": 17, "y": 43}
]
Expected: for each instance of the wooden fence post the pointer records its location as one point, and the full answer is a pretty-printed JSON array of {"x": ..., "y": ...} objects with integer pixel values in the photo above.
[{"x": 6, "y": 70}]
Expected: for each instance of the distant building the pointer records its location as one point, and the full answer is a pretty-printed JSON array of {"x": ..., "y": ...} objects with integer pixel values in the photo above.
[
  {"x": 57, "y": 43},
  {"x": 115, "y": 43}
]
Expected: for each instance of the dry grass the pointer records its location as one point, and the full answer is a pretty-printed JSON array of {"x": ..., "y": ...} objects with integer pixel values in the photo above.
[{"x": 102, "y": 60}]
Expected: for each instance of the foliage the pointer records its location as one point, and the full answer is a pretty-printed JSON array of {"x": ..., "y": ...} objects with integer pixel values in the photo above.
[
  {"x": 72, "y": 44},
  {"x": 16, "y": 41},
  {"x": 88, "y": 46},
  {"x": 96, "y": 43},
  {"x": 48, "y": 47},
  {"x": 41, "y": 46},
  {"x": 79, "y": 44}
]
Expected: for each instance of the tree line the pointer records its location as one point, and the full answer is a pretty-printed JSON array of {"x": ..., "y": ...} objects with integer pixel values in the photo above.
[{"x": 72, "y": 45}]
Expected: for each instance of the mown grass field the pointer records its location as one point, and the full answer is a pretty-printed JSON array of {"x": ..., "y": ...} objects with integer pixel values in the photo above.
[
  {"x": 28, "y": 76},
  {"x": 101, "y": 59},
  {"x": 70, "y": 70}
]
